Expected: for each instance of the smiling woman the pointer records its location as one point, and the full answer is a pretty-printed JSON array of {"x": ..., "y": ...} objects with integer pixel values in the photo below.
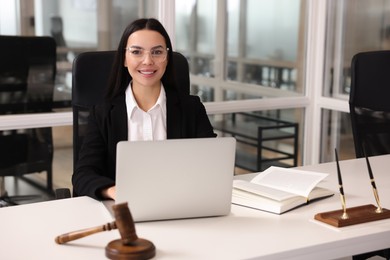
[
  {"x": 146, "y": 63},
  {"x": 143, "y": 102}
]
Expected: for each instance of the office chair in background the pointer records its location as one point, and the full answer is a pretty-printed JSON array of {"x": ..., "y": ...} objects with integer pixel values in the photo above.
[
  {"x": 57, "y": 32},
  {"x": 90, "y": 76},
  {"x": 370, "y": 110},
  {"x": 369, "y": 102},
  {"x": 27, "y": 74}
]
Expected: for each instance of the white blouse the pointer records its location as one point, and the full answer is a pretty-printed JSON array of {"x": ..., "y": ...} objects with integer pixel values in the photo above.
[{"x": 149, "y": 125}]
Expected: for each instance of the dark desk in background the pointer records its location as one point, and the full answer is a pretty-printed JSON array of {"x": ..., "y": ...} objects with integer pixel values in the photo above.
[{"x": 260, "y": 133}]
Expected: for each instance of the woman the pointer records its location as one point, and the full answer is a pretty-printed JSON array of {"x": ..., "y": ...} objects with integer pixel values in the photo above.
[{"x": 142, "y": 103}]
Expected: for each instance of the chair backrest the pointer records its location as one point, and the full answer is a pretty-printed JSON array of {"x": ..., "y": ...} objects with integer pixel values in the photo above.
[
  {"x": 27, "y": 74},
  {"x": 90, "y": 74},
  {"x": 27, "y": 78},
  {"x": 369, "y": 102}
]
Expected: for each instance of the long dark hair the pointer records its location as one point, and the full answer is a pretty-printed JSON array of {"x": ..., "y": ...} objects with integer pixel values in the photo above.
[{"x": 120, "y": 77}]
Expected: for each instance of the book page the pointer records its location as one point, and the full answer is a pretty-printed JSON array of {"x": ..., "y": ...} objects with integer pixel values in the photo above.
[
  {"x": 252, "y": 200},
  {"x": 261, "y": 190},
  {"x": 289, "y": 180}
]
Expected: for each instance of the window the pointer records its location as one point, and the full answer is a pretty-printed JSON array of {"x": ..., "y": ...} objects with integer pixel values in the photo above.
[{"x": 353, "y": 26}]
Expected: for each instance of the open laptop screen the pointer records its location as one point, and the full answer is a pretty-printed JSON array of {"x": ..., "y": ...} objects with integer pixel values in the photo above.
[{"x": 176, "y": 178}]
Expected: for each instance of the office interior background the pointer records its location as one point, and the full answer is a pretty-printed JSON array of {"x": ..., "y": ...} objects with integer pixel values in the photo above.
[{"x": 253, "y": 63}]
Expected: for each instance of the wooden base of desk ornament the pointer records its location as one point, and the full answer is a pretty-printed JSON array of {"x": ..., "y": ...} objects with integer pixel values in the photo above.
[
  {"x": 356, "y": 215},
  {"x": 137, "y": 250}
]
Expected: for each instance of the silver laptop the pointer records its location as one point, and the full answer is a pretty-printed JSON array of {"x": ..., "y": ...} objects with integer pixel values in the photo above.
[{"x": 177, "y": 178}]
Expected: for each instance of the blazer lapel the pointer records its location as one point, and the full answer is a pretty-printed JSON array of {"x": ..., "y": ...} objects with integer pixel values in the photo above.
[
  {"x": 174, "y": 116},
  {"x": 118, "y": 115}
]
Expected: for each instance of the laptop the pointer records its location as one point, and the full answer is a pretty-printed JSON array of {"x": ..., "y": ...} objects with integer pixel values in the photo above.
[{"x": 176, "y": 178}]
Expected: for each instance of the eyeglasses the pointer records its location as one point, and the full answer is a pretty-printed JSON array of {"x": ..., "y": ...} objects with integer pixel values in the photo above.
[{"x": 158, "y": 54}]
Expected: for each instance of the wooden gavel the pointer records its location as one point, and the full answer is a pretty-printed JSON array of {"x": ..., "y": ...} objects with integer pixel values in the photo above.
[
  {"x": 129, "y": 246},
  {"x": 123, "y": 222}
]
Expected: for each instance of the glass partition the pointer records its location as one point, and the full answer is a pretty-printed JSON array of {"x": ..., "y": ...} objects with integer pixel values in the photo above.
[
  {"x": 264, "y": 138},
  {"x": 239, "y": 50},
  {"x": 353, "y": 26},
  {"x": 262, "y": 45},
  {"x": 336, "y": 134}
]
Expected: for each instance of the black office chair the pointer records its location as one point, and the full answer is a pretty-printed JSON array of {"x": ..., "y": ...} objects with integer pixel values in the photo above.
[
  {"x": 370, "y": 110},
  {"x": 90, "y": 76},
  {"x": 369, "y": 102},
  {"x": 27, "y": 74}
]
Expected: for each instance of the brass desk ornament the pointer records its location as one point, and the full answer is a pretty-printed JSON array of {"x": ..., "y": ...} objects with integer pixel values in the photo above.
[{"x": 355, "y": 215}]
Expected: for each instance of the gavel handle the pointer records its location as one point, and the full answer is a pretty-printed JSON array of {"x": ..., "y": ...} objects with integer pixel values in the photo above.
[{"x": 84, "y": 232}]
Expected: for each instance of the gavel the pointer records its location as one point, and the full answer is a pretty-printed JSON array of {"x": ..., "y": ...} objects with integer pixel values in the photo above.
[{"x": 130, "y": 246}]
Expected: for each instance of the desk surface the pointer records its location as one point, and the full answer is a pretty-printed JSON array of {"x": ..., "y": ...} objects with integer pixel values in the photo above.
[{"x": 28, "y": 231}]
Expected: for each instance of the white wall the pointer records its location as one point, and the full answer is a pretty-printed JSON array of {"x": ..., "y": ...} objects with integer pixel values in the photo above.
[{"x": 9, "y": 17}]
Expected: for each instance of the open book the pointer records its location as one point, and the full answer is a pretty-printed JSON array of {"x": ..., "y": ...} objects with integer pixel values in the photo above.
[{"x": 278, "y": 190}]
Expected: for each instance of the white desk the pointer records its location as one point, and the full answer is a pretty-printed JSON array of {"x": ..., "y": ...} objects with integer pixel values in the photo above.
[{"x": 28, "y": 231}]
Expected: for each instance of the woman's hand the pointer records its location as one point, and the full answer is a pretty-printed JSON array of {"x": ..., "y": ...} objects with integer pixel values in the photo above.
[{"x": 109, "y": 193}]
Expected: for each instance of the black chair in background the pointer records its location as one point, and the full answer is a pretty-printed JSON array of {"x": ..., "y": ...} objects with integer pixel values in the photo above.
[
  {"x": 90, "y": 76},
  {"x": 27, "y": 74},
  {"x": 369, "y": 102},
  {"x": 370, "y": 110},
  {"x": 57, "y": 32}
]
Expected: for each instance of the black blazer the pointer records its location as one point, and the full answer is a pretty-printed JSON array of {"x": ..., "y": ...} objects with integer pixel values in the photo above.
[{"x": 95, "y": 169}]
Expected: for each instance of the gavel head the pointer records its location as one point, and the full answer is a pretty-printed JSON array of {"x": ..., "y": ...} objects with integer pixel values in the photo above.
[{"x": 125, "y": 224}]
